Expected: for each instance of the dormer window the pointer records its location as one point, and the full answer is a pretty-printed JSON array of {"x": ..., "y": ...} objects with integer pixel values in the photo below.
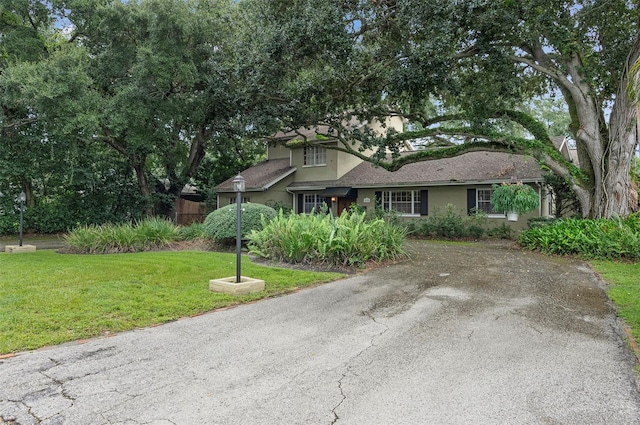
[{"x": 315, "y": 155}]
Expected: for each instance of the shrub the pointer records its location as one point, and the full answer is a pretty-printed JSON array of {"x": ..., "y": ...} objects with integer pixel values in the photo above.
[
  {"x": 503, "y": 231},
  {"x": 614, "y": 238},
  {"x": 9, "y": 224},
  {"x": 349, "y": 239},
  {"x": 220, "y": 225},
  {"x": 451, "y": 225}
]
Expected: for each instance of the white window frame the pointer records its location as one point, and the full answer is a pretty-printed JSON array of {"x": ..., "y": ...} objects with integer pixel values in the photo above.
[
  {"x": 232, "y": 200},
  {"x": 312, "y": 202},
  {"x": 314, "y": 156},
  {"x": 391, "y": 199},
  {"x": 486, "y": 199}
]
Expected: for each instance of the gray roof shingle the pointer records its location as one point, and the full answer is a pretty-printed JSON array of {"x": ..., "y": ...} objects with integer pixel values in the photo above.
[
  {"x": 471, "y": 167},
  {"x": 261, "y": 175},
  {"x": 468, "y": 167}
]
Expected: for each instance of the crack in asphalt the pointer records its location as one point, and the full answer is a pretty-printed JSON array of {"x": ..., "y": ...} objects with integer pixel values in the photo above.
[
  {"x": 13, "y": 420},
  {"x": 344, "y": 397},
  {"x": 54, "y": 390},
  {"x": 350, "y": 365}
]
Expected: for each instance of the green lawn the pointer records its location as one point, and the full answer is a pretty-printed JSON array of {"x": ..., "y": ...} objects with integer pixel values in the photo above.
[
  {"x": 623, "y": 288},
  {"x": 49, "y": 298}
]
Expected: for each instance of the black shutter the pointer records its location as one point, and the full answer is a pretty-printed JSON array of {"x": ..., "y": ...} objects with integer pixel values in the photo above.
[
  {"x": 471, "y": 200},
  {"x": 300, "y": 203},
  {"x": 424, "y": 203},
  {"x": 379, "y": 200}
]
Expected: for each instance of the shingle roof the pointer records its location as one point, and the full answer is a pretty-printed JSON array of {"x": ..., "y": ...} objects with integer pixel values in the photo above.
[
  {"x": 261, "y": 175},
  {"x": 471, "y": 167},
  {"x": 468, "y": 167}
]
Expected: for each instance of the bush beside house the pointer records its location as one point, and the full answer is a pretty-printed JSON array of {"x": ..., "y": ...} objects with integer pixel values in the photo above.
[{"x": 220, "y": 225}]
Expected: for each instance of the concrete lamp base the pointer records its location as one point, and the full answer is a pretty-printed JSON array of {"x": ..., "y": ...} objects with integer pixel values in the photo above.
[
  {"x": 228, "y": 285},
  {"x": 16, "y": 249}
]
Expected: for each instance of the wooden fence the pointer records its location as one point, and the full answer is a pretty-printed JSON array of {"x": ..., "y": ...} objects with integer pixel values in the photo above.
[{"x": 188, "y": 212}]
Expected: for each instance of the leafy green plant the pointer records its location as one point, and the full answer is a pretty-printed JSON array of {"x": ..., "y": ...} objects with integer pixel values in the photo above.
[
  {"x": 349, "y": 239},
  {"x": 220, "y": 225},
  {"x": 615, "y": 238},
  {"x": 514, "y": 197}
]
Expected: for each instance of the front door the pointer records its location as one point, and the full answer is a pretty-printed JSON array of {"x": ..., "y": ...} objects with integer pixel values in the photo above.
[{"x": 345, "y": 203}]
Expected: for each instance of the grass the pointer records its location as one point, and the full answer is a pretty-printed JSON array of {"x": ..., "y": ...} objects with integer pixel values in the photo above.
[
  {"x": 49, "y": 298},
  {"x": 623, "y": 289}
]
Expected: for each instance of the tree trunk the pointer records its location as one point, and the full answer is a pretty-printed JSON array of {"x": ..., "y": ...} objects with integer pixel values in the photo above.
[
  {"x": 143, "y": 183},
  {"x": 604, "y": 156},
  {"x": 623, "y": 138}
]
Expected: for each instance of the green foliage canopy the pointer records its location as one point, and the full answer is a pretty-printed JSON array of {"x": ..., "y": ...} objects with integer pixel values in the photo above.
[{"x": 459, "y": 73}]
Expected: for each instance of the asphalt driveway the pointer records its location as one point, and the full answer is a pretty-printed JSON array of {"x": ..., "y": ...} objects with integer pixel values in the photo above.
[{"x": 475, "y": 334}]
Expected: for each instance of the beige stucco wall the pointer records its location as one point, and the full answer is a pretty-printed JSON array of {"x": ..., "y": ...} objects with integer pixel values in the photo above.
[
  {"x": 276, "y": 194},
  {"x": 391, "y": 122},
  {"x": 275, "y": 151},
  {"x": 337, "y": 164},
  {"x": 440, "y": 196},
  {"x": 345, "y": 163},
  {"x": 314, "y": 172}
]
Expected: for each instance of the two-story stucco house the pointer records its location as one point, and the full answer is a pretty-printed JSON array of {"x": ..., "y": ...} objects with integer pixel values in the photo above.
[{"x": 303, "y": 178}]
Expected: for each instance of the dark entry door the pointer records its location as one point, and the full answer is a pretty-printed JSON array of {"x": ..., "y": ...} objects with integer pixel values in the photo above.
[{"x": 344, "y": 203}]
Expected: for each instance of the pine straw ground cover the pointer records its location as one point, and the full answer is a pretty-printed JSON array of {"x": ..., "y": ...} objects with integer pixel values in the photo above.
[{"x": 49, "y": 298}]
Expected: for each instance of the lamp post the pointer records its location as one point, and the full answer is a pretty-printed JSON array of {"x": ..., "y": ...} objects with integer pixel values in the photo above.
[
  {"x": 238, "y": 187},
  {"x": 22, "y": 197}
]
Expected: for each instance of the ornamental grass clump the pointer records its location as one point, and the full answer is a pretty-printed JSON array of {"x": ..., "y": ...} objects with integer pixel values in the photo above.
[
  {"x": 146, "y": 235},
  {"x": 349, "y": 239},
  {"x": 220, "y": 225},
  {"x": 155, "y": 233},
  {"x": 193, "y": 232}
]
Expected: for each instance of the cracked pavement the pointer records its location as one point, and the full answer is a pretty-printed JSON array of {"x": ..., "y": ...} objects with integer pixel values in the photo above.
[{"x": 461, "y": 334}]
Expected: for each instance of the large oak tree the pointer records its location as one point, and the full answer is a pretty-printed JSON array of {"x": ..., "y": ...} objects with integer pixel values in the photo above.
[
  {"x": 459, "y": 73},
  {"x": 155, "y": 82}
]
